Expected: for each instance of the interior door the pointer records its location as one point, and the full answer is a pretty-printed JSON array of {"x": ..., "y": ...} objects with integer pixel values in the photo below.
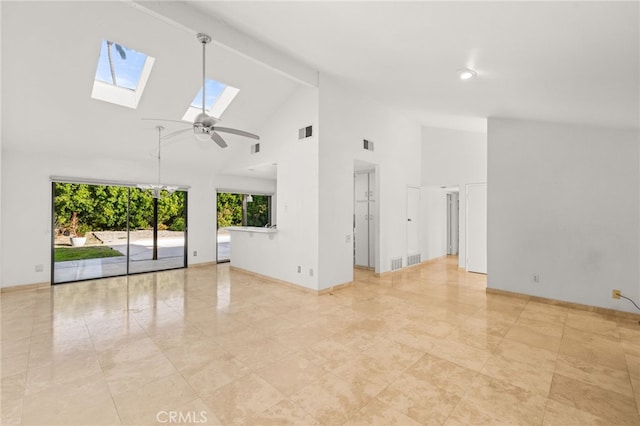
[
  {"x": 452, "y": 223},
  {"x": 413, "y": 220},
  {"x": 361, "y": 233},
  {"x": 477, "y": 228}
]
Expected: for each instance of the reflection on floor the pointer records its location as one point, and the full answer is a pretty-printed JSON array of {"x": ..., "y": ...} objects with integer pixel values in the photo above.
[
  {"x": 224, "y": 245},
  {"x": 426, "y": 346},
  {"x": 76, "y": 270}
]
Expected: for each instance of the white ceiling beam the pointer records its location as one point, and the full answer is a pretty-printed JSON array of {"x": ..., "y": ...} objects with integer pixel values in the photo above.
[{"x": 183, "y": 16}]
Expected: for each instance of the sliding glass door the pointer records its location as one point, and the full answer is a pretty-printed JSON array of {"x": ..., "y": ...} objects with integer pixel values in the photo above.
[
  {"x": 108, "y": 230},
  {"x": 156, "y": 231}
]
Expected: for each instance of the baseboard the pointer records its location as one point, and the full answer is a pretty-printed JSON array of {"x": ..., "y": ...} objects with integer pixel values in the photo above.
[
  {"x": 26, "y": 287},
  {"x": 199, "y": 265},
  {"x": 275, "y": 280},
  {"x": 334, "y": 288},
  {"x": 363, "y": 268},
  {"x": 589, "y": 308},
  {"x": 409, "y": 268}
]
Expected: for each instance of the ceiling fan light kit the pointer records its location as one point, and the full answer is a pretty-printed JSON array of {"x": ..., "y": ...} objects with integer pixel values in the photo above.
[{"x": 156, "y": 189}]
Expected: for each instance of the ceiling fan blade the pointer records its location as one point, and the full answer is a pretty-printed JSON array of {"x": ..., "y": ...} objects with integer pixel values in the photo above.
[
  {"x": 236, "y": 132},
  {"x": 164, "y": 119},
  {"x": 177, "y": 132},
  {"x": 218, "y": 139}
]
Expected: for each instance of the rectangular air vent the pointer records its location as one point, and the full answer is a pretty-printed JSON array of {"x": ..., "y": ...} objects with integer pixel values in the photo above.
[
  {"x": 305, "y": 132},
  {"x": 255, "y": 148},
  {"x": 413, "y": 259},
  {"x": 396, "y": 264},
  {"x": 368, "y": 145}
]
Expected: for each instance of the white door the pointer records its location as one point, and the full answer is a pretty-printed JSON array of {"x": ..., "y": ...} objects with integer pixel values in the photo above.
[
  {"x": 477, "y": 228},
  {"x": 413, "y": 220},
  {"x": 372, "y": 234},
  {"x": 452, "y": 223},
  {"x": 361, "y": 233},
  {"x": 361, "y": 188}
]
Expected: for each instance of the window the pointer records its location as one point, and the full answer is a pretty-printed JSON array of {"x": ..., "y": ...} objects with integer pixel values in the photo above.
[
  {"x": 219, "y": 97},
  {"x": 121, "y": 75}
]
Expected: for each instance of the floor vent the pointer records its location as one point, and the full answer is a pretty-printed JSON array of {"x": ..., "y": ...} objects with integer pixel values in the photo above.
[
  {"x": 413, "y": 259},
  {"x": 396, "y": 264}
]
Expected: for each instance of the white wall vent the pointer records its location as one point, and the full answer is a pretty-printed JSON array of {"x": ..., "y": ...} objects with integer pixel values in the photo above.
[
  {"x": 368, "y": 145},
  {"x": 396, "y": 264},
  {"x": 255, "y": 148},
  {"x": 413, "y": 259},
  {"x": 305, "y": 132}
]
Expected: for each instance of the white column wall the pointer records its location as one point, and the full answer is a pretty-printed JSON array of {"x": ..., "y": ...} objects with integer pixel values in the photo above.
[
  {"x": 563, "y": 202},
  {"x": 346, "y": 119},
  {"x": 296, "y": 207}
]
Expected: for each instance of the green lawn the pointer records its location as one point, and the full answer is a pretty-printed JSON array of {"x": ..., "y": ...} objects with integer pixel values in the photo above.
[{"x": 62, "y": 254}]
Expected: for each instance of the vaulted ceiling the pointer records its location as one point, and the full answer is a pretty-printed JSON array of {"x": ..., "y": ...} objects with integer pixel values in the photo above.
[
  {"x": 557, "y": 61},
  {"x": 562, "y": 61},
  {"x": 49, "y": 57}
]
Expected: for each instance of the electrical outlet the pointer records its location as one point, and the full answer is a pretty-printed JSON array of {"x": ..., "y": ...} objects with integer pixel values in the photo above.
[
  {"x": 536, "y": 277},
  {"x": 299, "y": 269},
  {"x": 195, "y": 253},
  {"x": 310, "y": 272},
  {"x": 39, "y": 267},
  {"x": 615, "y": 294}
]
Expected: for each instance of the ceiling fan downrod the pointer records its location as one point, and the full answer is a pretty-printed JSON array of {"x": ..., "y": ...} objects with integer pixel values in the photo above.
[{"x": 204, "y": 39}]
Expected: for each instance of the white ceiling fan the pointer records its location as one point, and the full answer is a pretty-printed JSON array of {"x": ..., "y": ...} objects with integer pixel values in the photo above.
[{"x": 204, "y": 125}]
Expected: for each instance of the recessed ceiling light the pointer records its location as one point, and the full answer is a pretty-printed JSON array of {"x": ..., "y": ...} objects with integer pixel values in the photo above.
[{"x": 466, "y": 73}]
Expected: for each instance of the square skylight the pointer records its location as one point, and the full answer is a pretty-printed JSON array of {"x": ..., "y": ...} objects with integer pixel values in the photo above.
[
  {"x": 121, "y": 75},
  {"x": 219, "y": 97}
]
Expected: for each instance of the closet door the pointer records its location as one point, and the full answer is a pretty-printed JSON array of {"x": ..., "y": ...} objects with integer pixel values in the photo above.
[
  {"x": 361, "y": 187},
  {"x": 361, "y": 234}
]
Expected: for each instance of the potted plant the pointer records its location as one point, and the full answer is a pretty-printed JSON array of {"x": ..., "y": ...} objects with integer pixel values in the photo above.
[{"x": 77, "y": 231}]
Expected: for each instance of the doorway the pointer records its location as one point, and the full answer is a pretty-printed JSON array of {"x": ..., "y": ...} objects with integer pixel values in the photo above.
[
  {"x": 413, "y": 225},
  {"x": 364, "y": 229},
  {"x": 453, "y": 223}
]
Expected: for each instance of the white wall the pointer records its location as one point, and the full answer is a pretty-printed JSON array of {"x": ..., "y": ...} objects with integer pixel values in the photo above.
[
  {"x": 26, "y": 206},
  {"x": 346, "y": 118},
  {"x": 452, "y": 158},
  {"x": 563, "y": 202},
  {"x": 296, "y": 243}
]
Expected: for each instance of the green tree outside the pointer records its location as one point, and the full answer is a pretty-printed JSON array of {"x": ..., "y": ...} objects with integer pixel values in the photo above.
[{"x": 102, "y": 207}]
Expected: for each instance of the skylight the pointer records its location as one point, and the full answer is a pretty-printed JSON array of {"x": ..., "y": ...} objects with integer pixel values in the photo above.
[
  {"x": 121, "y": 75},
  {"x": 219, "y": 97}
]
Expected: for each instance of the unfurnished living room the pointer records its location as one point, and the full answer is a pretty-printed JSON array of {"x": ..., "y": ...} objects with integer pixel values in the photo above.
[{"x": 320, "y": 213}]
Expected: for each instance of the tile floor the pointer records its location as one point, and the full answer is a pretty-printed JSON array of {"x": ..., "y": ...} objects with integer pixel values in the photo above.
[{"x": 212, "y": 346}]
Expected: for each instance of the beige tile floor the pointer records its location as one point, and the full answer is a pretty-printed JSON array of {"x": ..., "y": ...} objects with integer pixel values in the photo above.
[{"x": 212, "y": 346}]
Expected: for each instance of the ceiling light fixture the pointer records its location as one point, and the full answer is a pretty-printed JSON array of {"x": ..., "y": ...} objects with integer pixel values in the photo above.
[
  {"x": 156, "y": 189},
  {"x": 466, "y": 73}
]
